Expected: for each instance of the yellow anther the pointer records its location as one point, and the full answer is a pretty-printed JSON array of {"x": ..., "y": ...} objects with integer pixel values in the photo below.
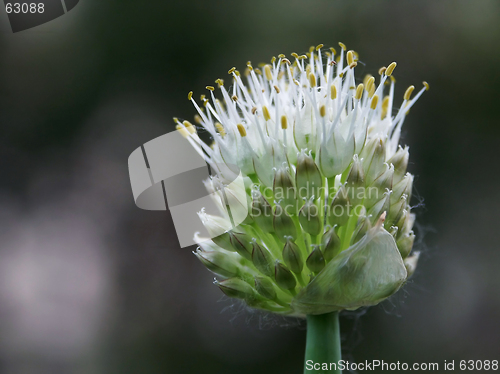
[
  {"x": 319, "y": 46},
  {"x": 202, "y": 97},
  {"x": 247, "y": 71},
  {"x": 333, "y": 92},
  {"x": 333, "y": 50},
  {"x": 426, "y": 85},
  {"x": 390, "y": 69},
  {"x": 408, "y": 92},
  {"x": 342, "y": 45},
  {"x": 356, "y": 55},
  {"x": 210, "y": 88},
  {"x": 258, "y": 71},
  {"x": 341, "y": 75},
  {"x": 385, "y": 107},
  {"x": 273, "y": 60},
  {"x": 296, "y": 82},
  {"x": 371, "y": 91},
  {"x": 220, "y": 82},
  {"x": 393, "y": 80},
  {"x": 332, "y": 63},
  {"x": 198, "y": 119},
  {"x": 277, "y": 89},
  {"x": 189, "y": 126},
  {"x": 368, "y": 80},
  {"x": 190, "y": 95},
  {"x": 302, "y": 57},
  {"x": 205, "y": 102},
  {"x": 311, "y": 49},
  {"x": 220, "y": 129},
  {"x": 359, "y": 91},
  {"x": 308, "y": 54},
  {"x": 242, "y": 130},
  {"x": 237, "y": 73},
  {"x": 265, "y": 111},
  {"x": 176, "y": 120},
  {"x": 182, "y": 130},
  {"x": 234, "y": 97},
  {"x": 267, "y": 71},
  {"x": 322, "y": 110},
  {"x": 249, "y": 63},
  {"x": 312, "y": 80},
  {"x": 286, "y": 61},
  {"x": 281, "y": 55},
  {"x": 350, "y": 57},
  {"x": 261, "y": 64},
  {"x": 294, "y": 55},
  {"x": 374, "y": 102},
  {"x": 382, "y": 70},
  {"x": 284, "y": 123},
  {"x": 231, "y": 71},
  {"x": 281, "y": 74},
  {"x": 353, "y": 65}
]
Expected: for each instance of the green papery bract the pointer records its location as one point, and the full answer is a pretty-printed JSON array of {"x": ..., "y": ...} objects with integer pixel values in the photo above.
[{"x": 364, "y": 274}]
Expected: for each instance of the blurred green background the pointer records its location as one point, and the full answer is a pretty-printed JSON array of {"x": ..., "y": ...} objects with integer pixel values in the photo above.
[{"x": 91, "y": 284}]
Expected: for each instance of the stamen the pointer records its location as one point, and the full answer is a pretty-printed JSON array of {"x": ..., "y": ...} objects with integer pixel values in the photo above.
[
  {"x": 426, "y": 85},
  {"x": 190, "y": 95},
  {"x": 312, "y": 80},
  {"x": 322, "y": 111},
  {"x": 408, "y": 92},
  {"x": 267, "y": 71},
  {"x": 333, "y": 92},
  {"x": 210, "y": 88},
  {"x": 265, "y": 111},
  {"x": 342, "y": 45},
  {"x": 359, "y": 91},
  {"x": 284, "y": 122},
  {"x": 390, "y": 69},
  {"x": 374, "y": 102},
  {"x": 242, "y": 130}
]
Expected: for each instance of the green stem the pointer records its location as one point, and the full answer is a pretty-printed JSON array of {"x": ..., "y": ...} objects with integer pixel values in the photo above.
[{"x": 323, "y": 343}]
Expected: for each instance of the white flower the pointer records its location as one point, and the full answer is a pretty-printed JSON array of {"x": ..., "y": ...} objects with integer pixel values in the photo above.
[{"x": 292, "y": 122}]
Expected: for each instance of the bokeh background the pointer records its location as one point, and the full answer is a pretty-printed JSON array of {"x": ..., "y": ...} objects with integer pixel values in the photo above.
[{"x": 91, "y": 284}]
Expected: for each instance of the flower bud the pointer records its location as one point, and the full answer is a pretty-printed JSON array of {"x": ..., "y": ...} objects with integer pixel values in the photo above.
[
  {"x": 292, "y": 256},
  {"x": 361, "y": 229},
  {"x": 308, "y": 177},
  {"x": 262, "y": 212},
  {"x": 339, "y": 208},
  {"x": 315, "y": 262},
  {"x": 382, "y": 183},
  {"x": 265, "y": 288},
  {"x": 381, "y": 206},
  {"x": 373, "y": 155},
  {"x": 242, "y": 243},
  {"x": 284, "y": 277},
  {"x": 331, "y": 243},
  {"x": 411, "y": 263},
  {"x": 309, "y": 218},
  {"x": 263, "y": 260},
  {"x": 405, "y": 244},
  {"x": 283, "y": 188},
  {"x": 400, "y": 162},
  {"x": 235, "y": 287},
  {"x": 356, "y": 182},
  {"x": 403, "y": 187},
  {"x": 220, "y": 262},
  {"x": 396, "y": 211},
  {"x": 283, "y": 224},
  {"x": 224, "y": 241}
]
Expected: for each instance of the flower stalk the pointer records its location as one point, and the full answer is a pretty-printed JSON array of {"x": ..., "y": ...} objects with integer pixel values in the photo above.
[{"x": 322, "y": 343}]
